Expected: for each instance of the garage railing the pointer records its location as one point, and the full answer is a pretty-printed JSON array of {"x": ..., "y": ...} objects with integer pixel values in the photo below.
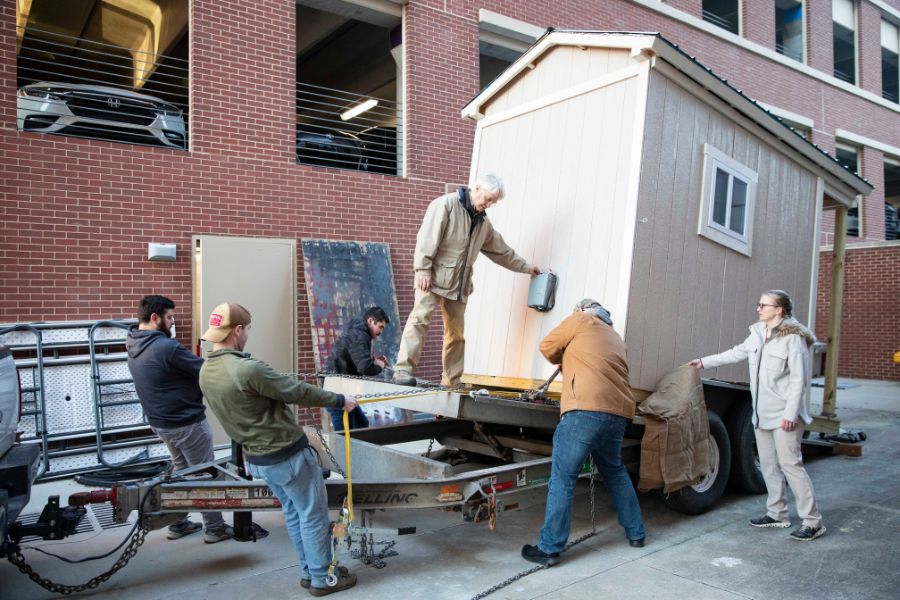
[
  {"x": 346, "y": 130},
  {"x": 82, "y": 88}
]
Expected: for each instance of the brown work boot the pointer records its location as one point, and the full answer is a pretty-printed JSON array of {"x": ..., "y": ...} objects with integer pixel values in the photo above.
[
  {"x": 307, "y": 583},
  {"x": 344, "y": 582}
]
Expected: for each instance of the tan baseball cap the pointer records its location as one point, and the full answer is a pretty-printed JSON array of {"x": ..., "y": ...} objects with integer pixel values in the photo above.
[{"x": 223, "y": 319}]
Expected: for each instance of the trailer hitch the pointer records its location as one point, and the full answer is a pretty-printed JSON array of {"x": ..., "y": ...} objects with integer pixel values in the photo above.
[{"x": 54, "y": 523}]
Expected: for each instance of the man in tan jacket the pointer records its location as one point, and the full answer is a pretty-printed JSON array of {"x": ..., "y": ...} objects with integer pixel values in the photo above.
[
  {"x": 454, "y": 231},
  {"x": 596, "y": 405}
]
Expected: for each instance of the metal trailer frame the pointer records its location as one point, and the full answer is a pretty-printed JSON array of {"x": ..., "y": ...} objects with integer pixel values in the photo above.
[
  {"x": 93, "y": 358},
  {"x": 40, "y": 413},
  {"x": 415, "y": 481},
  {"x": 99, "y": 404}
]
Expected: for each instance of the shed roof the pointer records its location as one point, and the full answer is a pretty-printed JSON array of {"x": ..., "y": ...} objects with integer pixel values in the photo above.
[{"x": 652, "y": 44}]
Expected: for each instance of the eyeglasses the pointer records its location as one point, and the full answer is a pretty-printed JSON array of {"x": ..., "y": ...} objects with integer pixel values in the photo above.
[{"x": 765, "y": 305}]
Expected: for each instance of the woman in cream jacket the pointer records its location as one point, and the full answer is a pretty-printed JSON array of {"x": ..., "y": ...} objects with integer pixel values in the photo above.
[{"x": 778, "y": 353}]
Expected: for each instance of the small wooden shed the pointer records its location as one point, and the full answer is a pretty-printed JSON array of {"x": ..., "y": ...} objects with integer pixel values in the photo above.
[{"x": 649, "y": 183}]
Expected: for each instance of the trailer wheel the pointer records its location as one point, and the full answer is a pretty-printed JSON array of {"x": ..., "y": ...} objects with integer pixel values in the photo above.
[
  {"x": 700, "y": 497},
  {"x": 746, "y": 475}
]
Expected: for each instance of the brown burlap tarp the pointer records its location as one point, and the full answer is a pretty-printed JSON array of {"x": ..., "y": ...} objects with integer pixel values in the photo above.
[{"x": 675, "y": 447}]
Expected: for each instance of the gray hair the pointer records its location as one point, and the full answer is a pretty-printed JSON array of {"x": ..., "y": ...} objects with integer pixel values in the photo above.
[{"x": 492, "y": 184}]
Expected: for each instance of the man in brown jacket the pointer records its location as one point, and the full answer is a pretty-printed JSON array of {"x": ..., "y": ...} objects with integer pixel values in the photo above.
[
  {"x": 455, "y": 229},
  {"x": 596, "y": 405}
]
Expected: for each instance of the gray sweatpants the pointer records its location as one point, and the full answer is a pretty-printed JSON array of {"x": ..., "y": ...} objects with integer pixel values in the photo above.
[
  {"x": 192, "y": 445},
  {"x": 780, "y": 459}
]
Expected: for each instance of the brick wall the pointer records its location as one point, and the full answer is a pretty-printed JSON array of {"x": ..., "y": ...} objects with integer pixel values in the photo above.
[
  {"x": 76, "y": 215},
  {"x": 758, "y": 22},
  {"x": 870, "y": 327}
]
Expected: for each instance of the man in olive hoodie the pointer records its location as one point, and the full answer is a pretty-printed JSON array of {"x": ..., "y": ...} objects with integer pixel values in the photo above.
[
  {"x": 254, "y": 404},
  {"x": 165, "y": 377}
]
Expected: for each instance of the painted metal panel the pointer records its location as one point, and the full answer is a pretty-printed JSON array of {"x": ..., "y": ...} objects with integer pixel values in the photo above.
[
  {"x": 259, "y": 274},
  {"x": 343, "y": 279}
]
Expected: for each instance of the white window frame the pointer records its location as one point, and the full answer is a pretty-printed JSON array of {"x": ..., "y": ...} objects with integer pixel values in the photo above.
[
  {"x": 805, "y": 59},
  {"x": 892, "y": 28},
  {"x": 855, "y": 8},
  {"x": 714, "y": 159}
]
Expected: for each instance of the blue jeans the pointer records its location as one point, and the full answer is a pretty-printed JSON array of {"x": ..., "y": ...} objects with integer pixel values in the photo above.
[
  {"x": 358, "y": 419},
  {"x": 297, "y": 483},
  {"x": 581, "y": 433}
]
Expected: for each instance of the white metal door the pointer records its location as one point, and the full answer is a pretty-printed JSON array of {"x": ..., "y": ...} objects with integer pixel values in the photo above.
[{"x": 259, "y": 274}]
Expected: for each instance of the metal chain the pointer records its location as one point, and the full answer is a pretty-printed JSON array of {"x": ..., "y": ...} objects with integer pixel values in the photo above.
[
  {"x": 128, "y": 553},
  {"x": 327, "y": 449},
  {"x": 492, "y": 512},
  {"x": 430, "y": 446},
  {"x": 509, "y": 581}
]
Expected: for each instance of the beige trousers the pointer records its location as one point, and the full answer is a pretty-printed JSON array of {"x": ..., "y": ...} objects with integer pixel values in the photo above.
[
  {"x": 413, "y": 338},
  {"x": 780, "y": 459}
]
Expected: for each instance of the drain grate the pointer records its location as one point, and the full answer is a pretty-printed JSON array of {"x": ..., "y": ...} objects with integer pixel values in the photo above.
[{"x": 98, "y": 517}]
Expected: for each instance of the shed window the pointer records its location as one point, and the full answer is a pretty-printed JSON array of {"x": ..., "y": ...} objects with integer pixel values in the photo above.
[
  {"x": 844, "y": 22},
  {"x": 789, "y": 28},
  {"x": 724, "y": 13},
  {"x": 726, "y": 213}
]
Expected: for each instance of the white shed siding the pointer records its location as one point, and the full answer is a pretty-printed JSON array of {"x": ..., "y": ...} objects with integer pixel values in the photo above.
[
  {"x": 691, "y": 296},
  {"x": 567, "y": 167},
  {"x": 561, "y": 67}
]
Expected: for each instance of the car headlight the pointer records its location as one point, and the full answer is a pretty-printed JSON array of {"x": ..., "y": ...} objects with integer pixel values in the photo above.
[
  {"x": 42, "y": 93},
  {"x": 167, "y": 110}
]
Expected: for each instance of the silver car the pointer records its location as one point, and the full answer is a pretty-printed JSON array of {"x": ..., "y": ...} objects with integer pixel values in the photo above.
[{"x": 102, "y": 112}]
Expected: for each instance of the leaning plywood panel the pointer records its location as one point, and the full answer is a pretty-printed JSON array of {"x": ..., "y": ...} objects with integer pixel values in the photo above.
[
  {"x": 570, "y": 169},
  {"x": 691, "y": 295}
]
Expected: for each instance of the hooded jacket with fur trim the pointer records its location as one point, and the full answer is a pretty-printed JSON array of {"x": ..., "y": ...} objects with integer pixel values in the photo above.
[{"x": 780, "y": 371}]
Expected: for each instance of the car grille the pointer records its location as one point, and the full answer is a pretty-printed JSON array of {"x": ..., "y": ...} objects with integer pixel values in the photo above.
[{"x": 104, "y": 107}]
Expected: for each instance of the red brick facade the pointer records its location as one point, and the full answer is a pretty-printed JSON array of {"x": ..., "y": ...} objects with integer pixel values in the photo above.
[
  {"x": 870, "y": 328},
  {"x": 77, "y": 214}
]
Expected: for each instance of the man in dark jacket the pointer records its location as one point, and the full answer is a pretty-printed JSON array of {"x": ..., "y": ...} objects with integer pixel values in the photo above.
[
  {"x": 352, "y": 355},
  {"x": 166, "y": 378}
]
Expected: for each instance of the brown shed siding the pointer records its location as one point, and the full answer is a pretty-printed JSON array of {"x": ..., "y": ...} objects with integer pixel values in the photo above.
[{"x": 689, "y": 295}]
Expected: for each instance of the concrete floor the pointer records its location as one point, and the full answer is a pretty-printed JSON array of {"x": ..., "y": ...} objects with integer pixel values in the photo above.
[{"x": 713, "y": 556}]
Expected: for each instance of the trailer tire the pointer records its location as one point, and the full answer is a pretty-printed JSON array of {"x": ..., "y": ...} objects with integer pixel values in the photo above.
[
  {"x": 700, "y": 497},
  {"x": 746, "y": 475}
]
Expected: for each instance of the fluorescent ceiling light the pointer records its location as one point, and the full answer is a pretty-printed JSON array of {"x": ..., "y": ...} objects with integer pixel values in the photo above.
[{"x": 359, "y": 109}]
